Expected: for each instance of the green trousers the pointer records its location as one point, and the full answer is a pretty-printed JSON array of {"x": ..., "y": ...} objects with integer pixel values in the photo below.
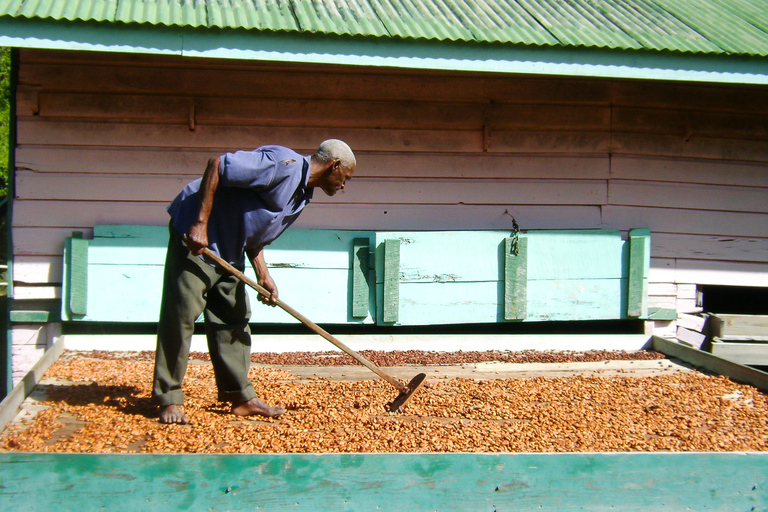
[{"x": 192, "y": 287}]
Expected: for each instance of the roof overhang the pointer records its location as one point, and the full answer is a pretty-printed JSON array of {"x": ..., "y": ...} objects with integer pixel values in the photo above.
[{"x": 379, "y": 52}]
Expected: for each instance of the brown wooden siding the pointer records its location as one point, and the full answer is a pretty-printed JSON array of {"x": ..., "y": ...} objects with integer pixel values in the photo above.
[{"x": 109, "y": 138}]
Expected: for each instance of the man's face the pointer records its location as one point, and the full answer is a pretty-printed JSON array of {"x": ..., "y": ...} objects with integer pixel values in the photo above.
[{"x": 335, "y": 178}]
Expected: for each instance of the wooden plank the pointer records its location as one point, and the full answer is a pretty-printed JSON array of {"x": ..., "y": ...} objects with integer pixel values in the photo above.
[
  {"x": 709, "y": 247},
  {"x": 463, "y": 255},
  {"x": 690, "y": 337},
  {"x": 747, "y": 353},
  {"x": 483, "y": 302},
  {"x": 361, "y": 288},
  {"x": 193, "y": 78},
  {"x": 390, "y": 303},
  {"x": 712, "y": 363},
  {"x": 694, "y": 147},
  {"x": 76, "y": 276},
  {"x": 689, "y": 95},
  {"x": 639, "y": 260},
  {"x": 515, "y": 278},
  {"x": 37, "y": 241},
  {"x": 724, "y": 325},
  {"x": 577, "y": 253},
  {"x": 729, "y": 273},
  {"x": 191, "y": 162},
  {"x": 689, "y": 195},
  {"x": 688, "y": 170},
  {"x": 393, "y": 217},
  {"x": 9, "y": 407},
  {"x": 37, "y": 269},
  {"x": 311, "y": 482},
  {"x": 697, "y": 222},
  {"x": 108, "y": 187},
  {"x": 322, "y": 111}
]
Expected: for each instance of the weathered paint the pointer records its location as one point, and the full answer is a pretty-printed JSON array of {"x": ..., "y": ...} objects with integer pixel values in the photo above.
[{"x": 396, "y": 482}]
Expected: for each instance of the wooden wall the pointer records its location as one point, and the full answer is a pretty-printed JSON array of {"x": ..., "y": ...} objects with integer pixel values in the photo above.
[{"x": 110, "y": 138}]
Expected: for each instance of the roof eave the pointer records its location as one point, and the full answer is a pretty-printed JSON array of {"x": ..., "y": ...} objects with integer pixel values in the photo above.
[{"x": 381, "y": 52}]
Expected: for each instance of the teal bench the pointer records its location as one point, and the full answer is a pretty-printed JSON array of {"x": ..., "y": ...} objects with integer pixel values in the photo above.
[{"x": 385, "y": 278}]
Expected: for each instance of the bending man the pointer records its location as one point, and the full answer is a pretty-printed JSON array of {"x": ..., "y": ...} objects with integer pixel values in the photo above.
[{"x": 243, "y": 202}]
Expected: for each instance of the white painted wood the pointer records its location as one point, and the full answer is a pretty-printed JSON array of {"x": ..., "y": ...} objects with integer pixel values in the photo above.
[
  {"x": 693, "y": 196},
  {"x": 111, "y": 187},
  {"x": 665, "y": 220},
  {"x": 37, "y": 269},
  {"x": 36, "y": 292},
  {"x": 190, "y": 162},
  {"x": 44, "y": 241},
  {"x": 689, "y": 171},
  {"x": 692, "y": 322},
  {"x": 722, "y": 273},
  {"x": 709, "y": 247}
]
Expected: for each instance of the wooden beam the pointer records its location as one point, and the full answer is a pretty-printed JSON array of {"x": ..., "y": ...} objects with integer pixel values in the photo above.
[
  {"x": 360, "y": 279},
  {"x": 9, "y": 407},
  {"x": 639, "y": 260},
  {"x": 391, "y": 300},
  {"x": 712, "y": 363},
  {"x": 364, "y": 481},
  {"x": 515, "y": 278}
]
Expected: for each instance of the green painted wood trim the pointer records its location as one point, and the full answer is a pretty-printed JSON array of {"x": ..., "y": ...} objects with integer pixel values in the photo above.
[
  {"x": 76, "y": 275},
  {"x": 662, "y": 314},
  {"x": 361, "y": 289},
  {"x": 9, "y": 407},
  {"x": 712, "y": 363},
  {"x": 515, "y": 278},
  {"x": 385, "y": 482},
  {"x": 40, "y": 316},
  {"x": 391, "y": 298},
  {"x": 639, "y": 257}
]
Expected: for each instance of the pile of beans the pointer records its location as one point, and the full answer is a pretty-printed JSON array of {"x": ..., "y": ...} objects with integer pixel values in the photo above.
[{"x": 99, "y": 402}]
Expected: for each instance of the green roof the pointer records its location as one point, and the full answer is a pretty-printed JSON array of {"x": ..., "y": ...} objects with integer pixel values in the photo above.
[{"x": 475, "y": 29}]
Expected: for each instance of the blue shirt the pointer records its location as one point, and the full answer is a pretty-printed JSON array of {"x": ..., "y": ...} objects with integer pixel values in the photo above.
[{"x": 260, "y": 194}]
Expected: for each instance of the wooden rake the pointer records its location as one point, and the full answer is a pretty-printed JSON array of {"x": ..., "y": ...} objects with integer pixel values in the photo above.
[{"x": 406, "y": 390}]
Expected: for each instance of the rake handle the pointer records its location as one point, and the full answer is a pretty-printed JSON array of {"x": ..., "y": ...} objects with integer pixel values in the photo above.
[{"x": 306, "y": 321}]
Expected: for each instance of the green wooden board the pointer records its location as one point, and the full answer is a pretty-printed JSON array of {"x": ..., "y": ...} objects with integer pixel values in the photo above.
[
  {"x": 409, "y": 278},
  {"x": 515, "y": 278},
  {"x": 388, "y": 482}
]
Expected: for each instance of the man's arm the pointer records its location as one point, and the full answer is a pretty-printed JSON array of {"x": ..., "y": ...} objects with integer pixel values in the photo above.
[
  {"x": 197, "y": 239},
  {"x": 262, "y": 275}
]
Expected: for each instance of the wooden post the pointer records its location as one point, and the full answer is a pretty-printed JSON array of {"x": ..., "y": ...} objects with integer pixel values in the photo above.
[
  {"x": 75, "y": 302},
  {"x": 637, "y": 286}
]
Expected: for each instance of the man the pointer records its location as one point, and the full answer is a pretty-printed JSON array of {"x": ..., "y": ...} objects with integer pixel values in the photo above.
[{"x": 242, "y": 203}]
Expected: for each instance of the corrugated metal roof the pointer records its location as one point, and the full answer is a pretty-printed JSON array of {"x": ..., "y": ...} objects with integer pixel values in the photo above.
[{"x": 698, "y": 26}]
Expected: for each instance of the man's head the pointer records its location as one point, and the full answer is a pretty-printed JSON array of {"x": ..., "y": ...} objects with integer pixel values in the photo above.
[{"x": 331, "y": 166}]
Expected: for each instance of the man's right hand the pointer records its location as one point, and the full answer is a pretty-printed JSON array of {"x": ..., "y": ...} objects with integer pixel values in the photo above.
[{"x": 197, "y": 238}]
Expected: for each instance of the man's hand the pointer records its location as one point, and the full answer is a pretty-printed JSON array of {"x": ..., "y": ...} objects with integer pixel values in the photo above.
[
  {"x": 197, "y": 239},
  {"x": 262, "y": 275},
  {"x": 270, "y": 286}
]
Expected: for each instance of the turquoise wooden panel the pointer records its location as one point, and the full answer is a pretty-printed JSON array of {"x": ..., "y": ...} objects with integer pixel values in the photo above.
[
  {"x": 570, "y": 275},
  {"x": 446, "y": 256},
  {"x": 547, "y": 300},
  {"x": 575, "y": 254},
  {"x": 312, "y": 269},
  {"x": 388, "y": 482}
]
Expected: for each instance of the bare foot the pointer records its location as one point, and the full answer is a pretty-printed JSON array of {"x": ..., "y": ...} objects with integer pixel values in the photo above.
[
  {"x": 172, "y": 414},
  {"x": 254, "y": 406}
]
